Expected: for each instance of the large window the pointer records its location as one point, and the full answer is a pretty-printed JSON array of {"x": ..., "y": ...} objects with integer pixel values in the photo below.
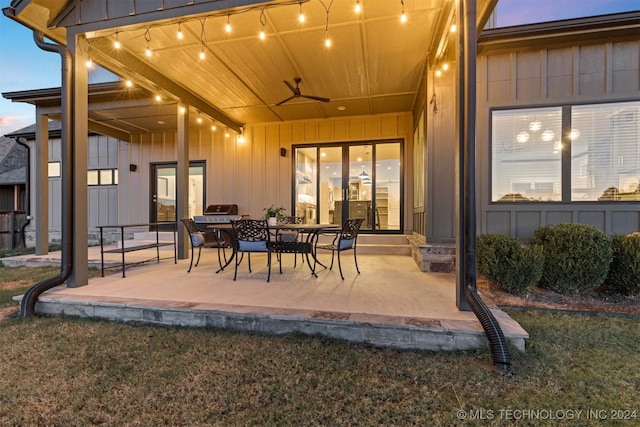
[
  {"x": 526, "y": 155},
  {"x": 577, "y": 153}
]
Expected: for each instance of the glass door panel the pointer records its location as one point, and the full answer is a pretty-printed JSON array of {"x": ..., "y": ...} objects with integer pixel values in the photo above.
[
  {"x": 360, "y": 184},
  {"x": 387, "y": 187},
  {"x": 306, "y": 183},
  {"x": 331, "y": 188}
]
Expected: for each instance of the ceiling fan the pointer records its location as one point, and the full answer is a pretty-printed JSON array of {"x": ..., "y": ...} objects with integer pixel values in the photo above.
[{"x": 297, "y": 94}]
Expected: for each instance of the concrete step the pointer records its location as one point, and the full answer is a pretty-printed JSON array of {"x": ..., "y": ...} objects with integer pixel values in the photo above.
[{"x": 383, "y": 244}]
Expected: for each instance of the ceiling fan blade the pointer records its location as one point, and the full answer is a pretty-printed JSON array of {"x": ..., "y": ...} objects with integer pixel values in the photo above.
[
  {"x": 293, "y": 89},
  {"x": 286, "y": 100},
  {"x": 317, "y": 98}
]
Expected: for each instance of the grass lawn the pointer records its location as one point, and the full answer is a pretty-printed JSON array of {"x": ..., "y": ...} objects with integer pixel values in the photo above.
[{"x": 83, "y": 372}]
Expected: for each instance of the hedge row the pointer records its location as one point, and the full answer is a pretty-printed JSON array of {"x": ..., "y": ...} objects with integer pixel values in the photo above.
[{"x": 566, "y": 258}]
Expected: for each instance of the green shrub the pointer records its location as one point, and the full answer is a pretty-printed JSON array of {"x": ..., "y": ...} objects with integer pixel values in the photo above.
[
  {"x": 624, "y": 272},
  {"x": 506, "y": 263},
  {"x": 577, "y": 257}
]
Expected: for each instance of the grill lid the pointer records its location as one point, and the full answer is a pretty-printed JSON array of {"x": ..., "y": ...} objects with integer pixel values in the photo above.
[{"x": 221, "y": 210}]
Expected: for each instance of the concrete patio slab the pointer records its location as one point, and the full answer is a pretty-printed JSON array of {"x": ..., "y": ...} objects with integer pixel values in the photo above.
[{"x": 391, "y": 303}]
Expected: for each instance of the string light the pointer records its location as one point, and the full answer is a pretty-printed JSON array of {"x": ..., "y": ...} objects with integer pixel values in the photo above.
[
  {"x": 89, "y": 63},
  {"x": 445, "y": 66},
  {"x": 454, "y": 28},
  {"x": 301, "y": 15},
  {"x": 327, "y": 40},
  {"x": 358, "y": 9},
  {"x": 147, "y": 37},
  {"x": 128, "y": 83},
  {"x": 180, "y": 35},
  {"x": 116, "y": 43},
  {"x": 158, "y": 98},
  {"x": 228, "y": 26},
  {"x": 403, "y": 17},
  {"x": 202, "y": 39},
  {"x": 213, "y": 128},
  {"x": 226, "y": 132},
  {"x": 263, "y": 22}
]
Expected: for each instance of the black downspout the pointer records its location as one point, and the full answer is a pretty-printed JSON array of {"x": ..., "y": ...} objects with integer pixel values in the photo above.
[
  {"x": 28, "y": 303},
  {"x": 27, "y": 190},
  {"x": 497, "y": 341}
]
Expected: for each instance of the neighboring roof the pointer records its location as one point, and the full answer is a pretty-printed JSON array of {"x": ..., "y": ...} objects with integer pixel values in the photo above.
[{"x": 13, "y": 162}]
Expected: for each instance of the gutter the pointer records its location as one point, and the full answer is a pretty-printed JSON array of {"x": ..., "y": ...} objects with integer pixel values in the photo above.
[
  {"x": 22, "y": 142},
  {"x": 29, "y": 299},
  {"x": 497, "y": 342}
]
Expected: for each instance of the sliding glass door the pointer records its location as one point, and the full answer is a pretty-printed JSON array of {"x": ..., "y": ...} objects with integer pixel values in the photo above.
[{"x": 358, "y": 180}]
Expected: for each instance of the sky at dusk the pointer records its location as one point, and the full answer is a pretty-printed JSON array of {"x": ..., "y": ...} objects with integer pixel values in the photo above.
[{"x": 24, "y": 66}]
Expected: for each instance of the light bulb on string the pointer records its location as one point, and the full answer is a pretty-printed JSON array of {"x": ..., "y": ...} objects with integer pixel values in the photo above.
[
  {"x": 263, "y": 22},
  {"x": 301, "y": 15},
  {"x": 116, "y": 43},
  {"x": 180, "y": 35},
  {"x": 403, "y": 16},
  {"x": 357, "y": 8},
  {"x": 227, "y": 27},
  {"x": 147, "y": 38}
]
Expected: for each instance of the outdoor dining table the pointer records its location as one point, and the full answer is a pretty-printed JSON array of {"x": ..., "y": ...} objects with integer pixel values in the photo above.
[{"x": 304, "y": 246}]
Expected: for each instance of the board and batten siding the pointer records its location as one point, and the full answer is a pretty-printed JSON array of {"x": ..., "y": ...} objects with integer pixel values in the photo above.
[
  {"x": 593, "y": 73},
  {"x": 252, "y": 174}
]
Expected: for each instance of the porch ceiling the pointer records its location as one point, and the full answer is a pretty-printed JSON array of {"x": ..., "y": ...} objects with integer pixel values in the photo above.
[{"x": 374, "y": 65}]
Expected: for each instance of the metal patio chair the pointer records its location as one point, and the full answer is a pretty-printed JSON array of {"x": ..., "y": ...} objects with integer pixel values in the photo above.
[
  {"x": 344, "y": 240},
  {"x": 251, "y": 235},
  {"x": 207, "y": 239}
]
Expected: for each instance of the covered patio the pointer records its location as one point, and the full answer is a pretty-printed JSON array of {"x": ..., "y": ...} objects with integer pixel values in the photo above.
[{"x": 391, "y": 303}]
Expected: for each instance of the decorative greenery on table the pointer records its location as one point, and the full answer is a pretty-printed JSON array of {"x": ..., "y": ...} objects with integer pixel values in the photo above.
[{"x": 278, "y": 211}]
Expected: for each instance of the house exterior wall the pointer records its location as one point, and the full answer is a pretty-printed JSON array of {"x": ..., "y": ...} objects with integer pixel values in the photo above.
[
  {"x": 252, "y": 174},
  {"x": 552, "y": 76}
]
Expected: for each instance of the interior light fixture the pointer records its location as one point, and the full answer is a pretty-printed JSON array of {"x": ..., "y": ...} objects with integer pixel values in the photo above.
[
  {"x": 547, "y": 135},
  {"x": 575, "y": 134},
  {"x": 438, "y": 73},
  {"x": 301, "y": 15},
  {"x": 180, "y": 35},
  {"x": 116, "y": 43},
  {"x": 403, "y": 16},
  {"x": 522, "y": 137},
  {"x": 357, "y": 8},
  {"x": 557, "y": 146},
  {"x": 535, "y": 125}
]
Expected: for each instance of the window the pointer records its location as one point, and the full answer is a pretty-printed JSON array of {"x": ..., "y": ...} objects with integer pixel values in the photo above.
[
  {"x": 605, "y": 152},
  {"x": 599, "y": 148},
  {"x": 102, "y": 177},
  {"x": 54, "y": 170},
  {"x": 526, "y": 155}
]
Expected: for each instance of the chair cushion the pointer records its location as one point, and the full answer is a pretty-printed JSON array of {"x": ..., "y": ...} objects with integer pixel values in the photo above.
[
  {"x": 345, "y": 244},
  {"x": 197, "y": 240},
  {"x": 288, "y": 236},
  {"x": 247, "y": 246}
]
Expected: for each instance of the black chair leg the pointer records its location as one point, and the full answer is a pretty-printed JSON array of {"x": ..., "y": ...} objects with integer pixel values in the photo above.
[
  {"x": 355, "y": 260},
  {"x": 249, "y": 260},
  {"x": 199, "y": 253},
  {"x": 269, "y": 263},
  {"x": 340, "y": 266},
  {"x": 191, "y": 264},
  {"x": 235, "y": 272}
]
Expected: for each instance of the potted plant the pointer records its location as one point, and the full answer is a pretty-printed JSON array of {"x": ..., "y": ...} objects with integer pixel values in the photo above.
[{"x": 274, "y": 213}]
